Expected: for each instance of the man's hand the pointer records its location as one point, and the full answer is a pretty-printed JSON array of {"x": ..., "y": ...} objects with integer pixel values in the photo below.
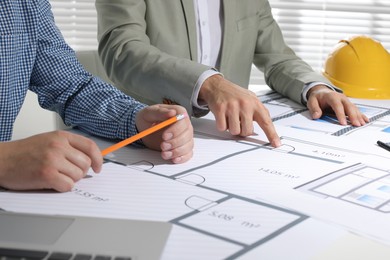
[
  {"x": 54, "y": 160},
  {"x": 236, "y": 108},
  {"x": 176, "y": 141},
  {"x": 322, "y": 98}
]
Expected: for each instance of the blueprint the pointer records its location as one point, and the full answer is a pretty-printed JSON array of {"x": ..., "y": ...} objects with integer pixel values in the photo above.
[
  {"x": 291, "y": 114},
  {"x": 207, "y": 223},
  {"x": 240, "y": 197}
]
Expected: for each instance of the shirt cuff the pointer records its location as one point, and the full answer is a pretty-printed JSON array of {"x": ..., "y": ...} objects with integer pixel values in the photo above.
[
  {"x": 131, "y": 126},
  {"x": 202, "y": 78},
  {"x": 308, "y": 86}
]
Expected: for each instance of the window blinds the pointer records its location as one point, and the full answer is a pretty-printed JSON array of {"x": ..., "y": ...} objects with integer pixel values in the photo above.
[
  {"x": 313, "y": 27},
  {"x": 310, "y": 27},
  {"x": 77, "y": 22}
]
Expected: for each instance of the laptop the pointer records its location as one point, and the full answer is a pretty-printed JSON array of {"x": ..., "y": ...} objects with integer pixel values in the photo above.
[{"x": 35, "y": 236}]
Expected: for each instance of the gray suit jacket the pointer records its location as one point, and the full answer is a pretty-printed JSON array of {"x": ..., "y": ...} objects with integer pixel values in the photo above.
[{"x": 149, "y": 49}]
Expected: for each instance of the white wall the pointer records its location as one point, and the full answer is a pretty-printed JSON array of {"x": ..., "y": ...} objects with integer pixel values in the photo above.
[{"x": 33, "y": 119}]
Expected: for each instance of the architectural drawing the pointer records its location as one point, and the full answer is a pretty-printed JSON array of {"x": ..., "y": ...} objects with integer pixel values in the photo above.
[
  {"x": 288, "y": 113},
  {"x": 230, "y": 225},
  {"x": 360, "y": 184},
  {"x": 240, "y": 197}
]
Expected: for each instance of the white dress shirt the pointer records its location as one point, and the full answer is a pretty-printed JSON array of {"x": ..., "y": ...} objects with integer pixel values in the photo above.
[
  {"x": 209, "y": 30},
  {"x": 209, "y": 25}
]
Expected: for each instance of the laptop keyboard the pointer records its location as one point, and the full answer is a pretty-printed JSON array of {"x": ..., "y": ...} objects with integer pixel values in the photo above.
[{"x": 16, "y": 254}]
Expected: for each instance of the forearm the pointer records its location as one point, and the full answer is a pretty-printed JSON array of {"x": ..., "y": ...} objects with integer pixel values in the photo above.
[
  {"x": 62, "y": 85},
  {"x": 103, "y": 110},
  {"x": 6, "y": 161}
]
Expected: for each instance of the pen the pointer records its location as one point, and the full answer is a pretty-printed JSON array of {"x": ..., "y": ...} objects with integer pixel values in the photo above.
[
  {"x": 144, "y": 133},
  {"x": 384, "y": 145}
]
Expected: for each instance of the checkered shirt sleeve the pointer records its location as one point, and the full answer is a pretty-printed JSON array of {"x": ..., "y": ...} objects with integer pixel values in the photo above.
[{"x": 34, "y": 56}]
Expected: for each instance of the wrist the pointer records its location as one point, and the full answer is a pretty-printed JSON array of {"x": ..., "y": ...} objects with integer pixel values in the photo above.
[
  {"x": 5, "y": 160},
  {"x": 317, "y": 88},
  {"x": 208, "y": 87}
]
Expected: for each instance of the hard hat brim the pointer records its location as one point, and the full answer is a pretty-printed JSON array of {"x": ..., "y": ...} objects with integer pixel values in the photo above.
[{"x": 364, "y": 92}]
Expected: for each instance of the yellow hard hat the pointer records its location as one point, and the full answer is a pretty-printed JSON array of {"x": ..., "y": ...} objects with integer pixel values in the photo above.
[{"x": 360, "y": 66}]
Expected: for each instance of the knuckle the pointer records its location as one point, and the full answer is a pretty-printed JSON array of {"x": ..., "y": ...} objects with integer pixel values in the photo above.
[
  {"x": 246, "y": 132},
  {"x": 90, "y": 146},
  {"x": 46, "y": 174},
  {"x": 65, "y": 187},
  {"x": 85, "y": 163}
]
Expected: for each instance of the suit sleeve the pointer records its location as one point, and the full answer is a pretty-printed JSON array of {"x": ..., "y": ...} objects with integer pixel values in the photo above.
[
  {"x": 134, "y": 64},
  {"x": 284, "y": 71}
]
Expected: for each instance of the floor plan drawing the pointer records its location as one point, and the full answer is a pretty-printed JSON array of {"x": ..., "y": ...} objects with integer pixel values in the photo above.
[
  {"x": 285, "y": 112},
  {"x": 375, "y": 130},
  {"x": 359, "y": 184},
  {"x": 249, "y": 168},
  {"x": 214, "y": 224},
  {"x": 241, "y": 198}
]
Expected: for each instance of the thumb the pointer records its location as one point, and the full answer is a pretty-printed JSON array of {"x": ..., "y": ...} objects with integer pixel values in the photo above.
[
  {"x": 158, "y": 113},
  {"x": 153, "y": 114}
]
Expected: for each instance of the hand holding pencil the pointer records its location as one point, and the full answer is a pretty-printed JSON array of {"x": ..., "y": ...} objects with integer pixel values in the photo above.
[
  {"x": 173, "y": 138},
  {"x": 142, "y": 134}
]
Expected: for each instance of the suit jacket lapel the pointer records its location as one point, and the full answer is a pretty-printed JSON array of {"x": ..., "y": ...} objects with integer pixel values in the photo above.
[
  {"x": 229, "y": 7},
  {"x": 189, "y": 12}
]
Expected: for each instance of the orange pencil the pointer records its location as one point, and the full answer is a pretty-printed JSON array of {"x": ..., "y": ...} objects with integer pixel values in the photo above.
[{"x": 144, "y": 133}]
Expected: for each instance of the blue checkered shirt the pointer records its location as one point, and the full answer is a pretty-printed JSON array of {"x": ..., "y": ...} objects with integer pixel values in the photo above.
[{"x": 34, "y": 56}]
